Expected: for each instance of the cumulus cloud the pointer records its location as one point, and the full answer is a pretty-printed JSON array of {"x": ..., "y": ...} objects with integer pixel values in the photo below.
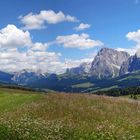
[
  {"x": 131, "y": 51},
  {"x": 38, "y": 46},
  {"x": 13, "y": 60},
  {"x": 37, "y": 21},
  {"x": 11, "y": 36},
  {"x": 134, "y": 36},
  {"x": 14, "y": 57},
  {"x": 82, "y": 26},
  {"x": 18, "y": 51},
  {"x": 69, "y": 63},
  {"x": 80, "y": 41}
]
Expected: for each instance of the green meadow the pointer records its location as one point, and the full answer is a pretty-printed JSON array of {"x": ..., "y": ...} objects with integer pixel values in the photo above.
[{"x": 26, "y": 115}]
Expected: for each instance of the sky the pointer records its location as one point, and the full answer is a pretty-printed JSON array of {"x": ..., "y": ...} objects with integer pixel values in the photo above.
[{"x": 53, "y": 35}]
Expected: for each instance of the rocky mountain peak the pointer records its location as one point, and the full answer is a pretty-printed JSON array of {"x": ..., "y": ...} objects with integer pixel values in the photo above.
[
  {"x": 138, "y": 53},
  {"x": 26, "y": 76},
  {"x": 131, "y": 65},
  {"x": 84, "y": 68},
  {"x": 107, "y": 63}
]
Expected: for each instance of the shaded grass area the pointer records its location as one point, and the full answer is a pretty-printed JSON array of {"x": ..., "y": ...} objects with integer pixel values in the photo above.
[
  {"x": 69, "y": 117},
  {"x": 130, "y": 77},
  {"x": 83, "y": 85}
]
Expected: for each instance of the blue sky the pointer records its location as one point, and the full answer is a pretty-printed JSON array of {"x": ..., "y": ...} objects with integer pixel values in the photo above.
[{"x": 107, "y": 23}]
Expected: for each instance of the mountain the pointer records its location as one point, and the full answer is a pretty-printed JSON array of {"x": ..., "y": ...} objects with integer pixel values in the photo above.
[
  {"x": 26, "y": 77},
  {"x": 5, "y": 77},
  {"x": 106, "y": 64},
  {"x": 131, "y": 65},
  {"x": 88, "y": 84},
  {"x": 84, "y": 68},
  {"x": 128, "y": 80},
  {"x": 109, "y": 69}
]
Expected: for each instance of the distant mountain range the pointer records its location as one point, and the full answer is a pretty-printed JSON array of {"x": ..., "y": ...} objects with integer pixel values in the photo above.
[{"x": 109, "y": 69}]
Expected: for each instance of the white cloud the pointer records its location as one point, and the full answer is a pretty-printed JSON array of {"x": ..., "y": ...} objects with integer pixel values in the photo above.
[
  {"x": 11, "y": 36},
  {"x": 18, "y": 51},
  {"x": 14, "y": 58},
  {"x": 133, "y": 36},
  {"x": 38, "y": 46},
  {"x": 80, "y": 41},
  {"x": 37, "y": 21},
  {"x": 69, "y": 63},
  {"x": 34, "y": 57},
  {"x": 82, "y": 26},
  {"x": 131, "y": 51}
]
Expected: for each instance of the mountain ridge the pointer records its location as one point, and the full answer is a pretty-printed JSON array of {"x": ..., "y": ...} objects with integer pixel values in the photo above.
[{"x": 105, "y": 71}]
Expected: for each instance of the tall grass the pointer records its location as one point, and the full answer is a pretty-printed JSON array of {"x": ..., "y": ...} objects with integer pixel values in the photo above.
[{"x": 73, "y": 117}]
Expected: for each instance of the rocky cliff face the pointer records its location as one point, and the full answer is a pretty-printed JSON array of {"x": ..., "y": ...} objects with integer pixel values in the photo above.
[
  {"x": 131, "y": 65},
  {"x": 25, "y": 77},
  {"x": 106, "y": 64},
  {"x": 84, "y": 68}
]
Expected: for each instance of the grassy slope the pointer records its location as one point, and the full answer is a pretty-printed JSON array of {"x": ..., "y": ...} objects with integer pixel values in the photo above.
[
  {"x": 93, "y": 85},
  {"x": 83, "y": 85},
  {"x": 68, "y": 117},
  {"x": 11, "y": 99}
]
